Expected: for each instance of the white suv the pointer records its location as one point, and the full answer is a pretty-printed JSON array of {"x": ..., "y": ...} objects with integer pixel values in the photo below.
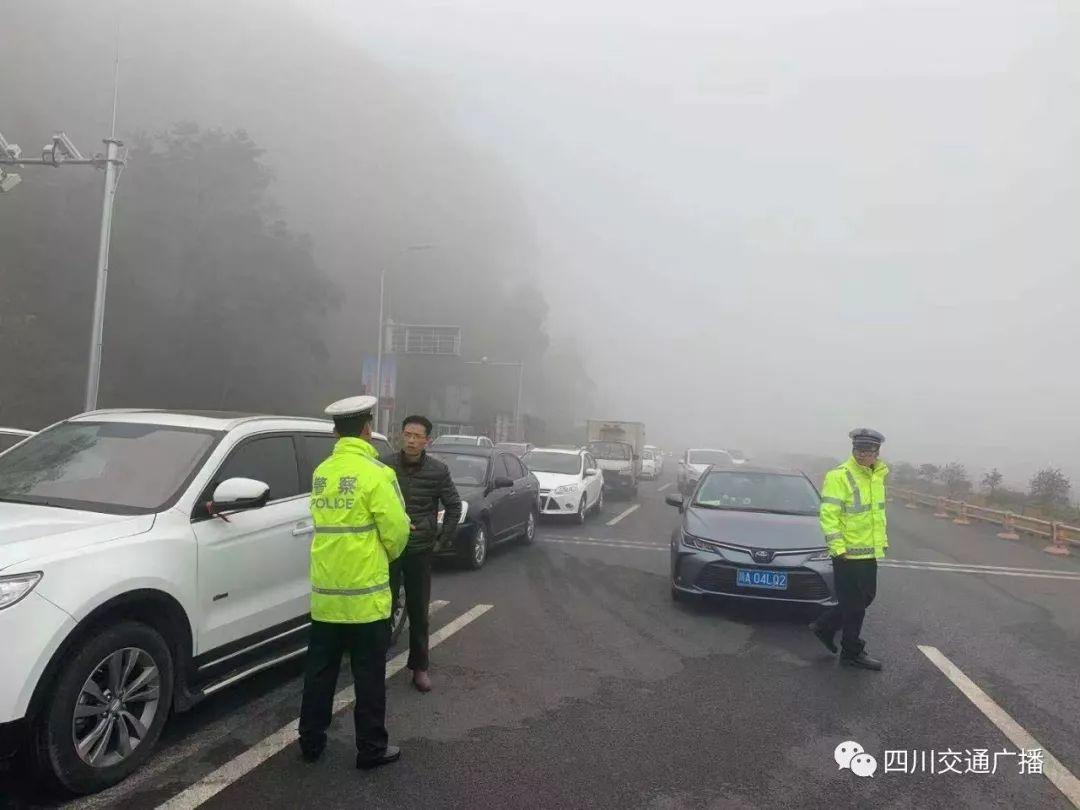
[{"x": 147, "y": 560}]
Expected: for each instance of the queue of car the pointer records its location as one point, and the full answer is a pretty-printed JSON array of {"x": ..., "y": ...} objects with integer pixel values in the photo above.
[{"x": 151, "y": 558}]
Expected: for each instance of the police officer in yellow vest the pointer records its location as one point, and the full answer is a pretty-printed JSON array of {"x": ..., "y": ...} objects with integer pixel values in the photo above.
[
  {"x": 853, "y": 521},
  {"x": 360, "y": 527}
]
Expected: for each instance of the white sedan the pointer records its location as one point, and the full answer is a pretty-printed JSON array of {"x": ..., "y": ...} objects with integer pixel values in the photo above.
[
  {"x": 695, "y": 462},
  {"x": 571, "y": 482}
]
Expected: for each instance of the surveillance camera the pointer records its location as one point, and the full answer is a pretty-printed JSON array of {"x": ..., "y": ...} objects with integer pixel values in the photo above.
[
  {"x": 60, "y": 150},
  {"x": 8, "y": 181},
  {"x": 62, "y": 142}
]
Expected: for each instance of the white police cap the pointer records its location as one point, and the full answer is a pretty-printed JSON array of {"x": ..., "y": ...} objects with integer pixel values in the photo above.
[
  {"x": 351, "y": 406},
  {"x": 866, "y": 436}
]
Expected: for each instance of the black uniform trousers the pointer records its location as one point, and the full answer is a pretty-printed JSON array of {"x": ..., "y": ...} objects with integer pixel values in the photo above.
[
  {"x": 856, "y": 586},
  {"x": 366, "y": 645},
  {"x": 414, "y": 570}
]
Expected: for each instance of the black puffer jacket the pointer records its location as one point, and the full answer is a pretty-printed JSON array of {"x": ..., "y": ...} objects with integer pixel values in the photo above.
[{"x": 424, "y": 486}]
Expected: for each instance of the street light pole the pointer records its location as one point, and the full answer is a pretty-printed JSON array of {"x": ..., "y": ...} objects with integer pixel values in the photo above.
[
  {"x": 61, "y": 151},
  {"x": 382, "y": 331},
  {"x": 378, "y": 362},
  {"x": 519, "y": 429},
  {"x": 93, "y": 373}
]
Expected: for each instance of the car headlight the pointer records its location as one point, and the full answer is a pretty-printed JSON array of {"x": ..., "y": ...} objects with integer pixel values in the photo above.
[
  {"x": 14, "y": 588},
  {"x": 700, "y": 544},
  {"x": 820, "y": 556},
  {"x": 566, "y": 489}
]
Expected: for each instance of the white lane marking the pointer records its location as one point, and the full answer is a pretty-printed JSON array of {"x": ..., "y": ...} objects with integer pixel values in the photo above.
[
  {"x": 200, "y": 741},
  {"x": 629, "y": 510},
  {"x": 982, "y": 571},
  {"x": 1057, "y": 773},
  {"x": 990, "y": 567},
  {"x": 665, "y": 486},
  {"x": 213, "y": 783}
]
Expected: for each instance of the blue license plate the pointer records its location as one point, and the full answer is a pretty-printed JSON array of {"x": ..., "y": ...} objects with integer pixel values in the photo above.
[{"x": 750, "y": 578}]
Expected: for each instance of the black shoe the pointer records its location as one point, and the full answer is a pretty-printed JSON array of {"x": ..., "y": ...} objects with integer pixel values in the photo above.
[
  {"x": 862, "y": 661},
  {"x": 391, "y": 754},
  {"x": 824, "y": 636},
  {"x": 310, "y": 754}
]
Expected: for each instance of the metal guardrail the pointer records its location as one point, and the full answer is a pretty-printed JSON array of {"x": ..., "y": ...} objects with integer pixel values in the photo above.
[{"x": 1060, "y": 534}]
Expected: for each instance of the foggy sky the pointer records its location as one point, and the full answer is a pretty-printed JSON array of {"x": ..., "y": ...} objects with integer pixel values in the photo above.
[
  {"x": 764, "y": 222},
  {"x": 772, "y": 221}
]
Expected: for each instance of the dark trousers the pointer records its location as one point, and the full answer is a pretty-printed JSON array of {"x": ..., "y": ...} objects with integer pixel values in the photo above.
[
  {"x": 856, "y": 586},
  {"x": 366, "y": 645},
  {"x": 414, "y": 570}
]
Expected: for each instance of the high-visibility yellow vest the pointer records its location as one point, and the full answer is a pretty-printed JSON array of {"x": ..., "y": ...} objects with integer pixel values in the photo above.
[
  {"x": 360, "y": 527},
  {"x": 853, "y": 510}
]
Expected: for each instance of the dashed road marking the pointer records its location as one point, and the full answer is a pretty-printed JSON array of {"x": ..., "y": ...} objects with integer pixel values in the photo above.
[
  {"x": 628, "y": 511},
  {"x": 1058, "y": 774},
  {"x": 212, "y": 784},
  {"x": 665, "y": 486}
]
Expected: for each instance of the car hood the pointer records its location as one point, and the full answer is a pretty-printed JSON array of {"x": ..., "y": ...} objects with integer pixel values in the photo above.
[
  {"x": 28, "y": 531},
  {"x": 754, "y": 529},
  {"x": 552, "y": 480}
]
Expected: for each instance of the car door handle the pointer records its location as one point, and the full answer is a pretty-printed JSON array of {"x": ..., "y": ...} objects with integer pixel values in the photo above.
[{"x": 301, "y": 529}]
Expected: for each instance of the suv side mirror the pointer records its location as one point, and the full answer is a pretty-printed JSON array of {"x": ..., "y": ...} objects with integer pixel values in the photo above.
[
  {"x": 674, "y": 500},
  {"x": 589, "y": 473},
  {"x": 502, "y": 483},
  {"x": 238, "y": 494}
]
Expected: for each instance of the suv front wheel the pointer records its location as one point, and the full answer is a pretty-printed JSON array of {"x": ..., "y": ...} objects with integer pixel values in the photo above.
[{"x": 107, "y": 708}]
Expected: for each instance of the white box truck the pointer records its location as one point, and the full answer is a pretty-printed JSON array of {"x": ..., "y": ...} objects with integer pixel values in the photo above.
[{"x": 617, "y": 446}]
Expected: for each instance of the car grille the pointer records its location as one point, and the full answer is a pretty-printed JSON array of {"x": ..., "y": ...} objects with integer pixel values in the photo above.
[{"x": 719, "y": 577}]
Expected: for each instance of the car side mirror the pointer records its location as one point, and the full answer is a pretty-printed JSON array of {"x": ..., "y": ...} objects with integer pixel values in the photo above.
[
  {"x": 589, "y": 473},
  {"x": 674, "y": 500},
  {"x": 502, "y": 483},
  {"x": 239, "y": 494}
]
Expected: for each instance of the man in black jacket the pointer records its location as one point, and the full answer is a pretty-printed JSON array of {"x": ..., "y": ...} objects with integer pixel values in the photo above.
[{"x": 425, "y": 483}]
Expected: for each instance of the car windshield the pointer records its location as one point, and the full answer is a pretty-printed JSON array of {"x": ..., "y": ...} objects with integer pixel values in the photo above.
[
  {"x": 612, "y": 451},
  {"x": 465, "y": 470},
  {"x": 709, "y": 457},
  {"x": 758, "y": 492},
  {"x": 647, "y": 455},
  {"x": 114, "y": 467},
  {"x": 548, "y": 462}
]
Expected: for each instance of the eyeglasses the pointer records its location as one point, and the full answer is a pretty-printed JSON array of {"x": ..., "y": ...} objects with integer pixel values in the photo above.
[{"x": 408, "y": 434}]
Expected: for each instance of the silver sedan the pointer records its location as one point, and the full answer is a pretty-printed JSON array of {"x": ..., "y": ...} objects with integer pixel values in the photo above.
[{"x": 751, "y": 533}]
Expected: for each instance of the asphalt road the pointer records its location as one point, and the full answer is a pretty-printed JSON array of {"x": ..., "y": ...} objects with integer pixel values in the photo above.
[{"x": 584, "y": 685}]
